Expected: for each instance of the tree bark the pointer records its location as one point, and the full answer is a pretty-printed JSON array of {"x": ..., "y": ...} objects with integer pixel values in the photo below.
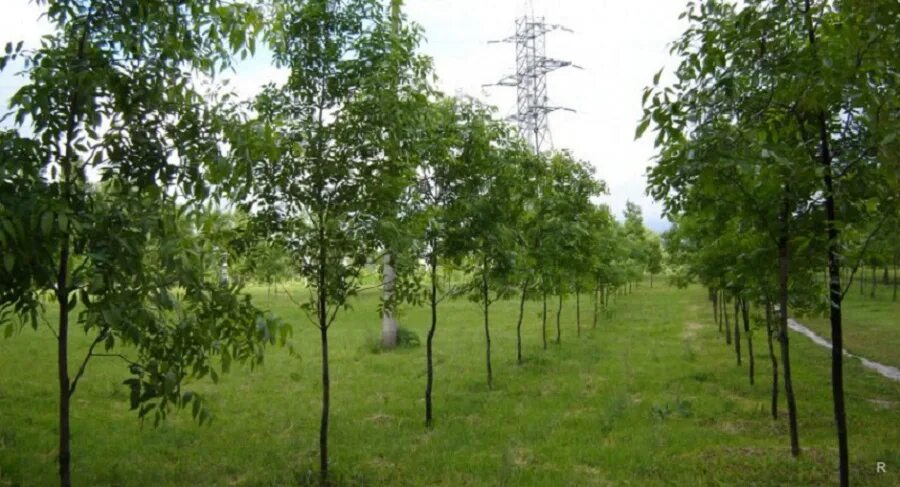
[
  {"x": 725, "y": 315},
  {"x": 596, "y": 307},
  {"x": 874, "y": 281},
  {"x": 62, "y": 297},
  {"x": 714, "y": 299},
  {"x": 487, "y": 330},
  {"x": 895, "y": 281},
  {"x": 578, "y": 311},
  {"x": 834, "y": 271},
  {"x": 326, "y": 406},
  {"x": 429, "y": 361},
  {"x": 388, "y": 323},
  {"x": 519, "y": 323},
  {"x": 544, "y": 321},
  {"x": 322, "y": 309},
  {"x": 558, "y": 314},
  {"x": 745, "y": 314},
  {"x": 769, "y": 326},
  {"x": 783, "y": 271},
  {"x": 737, "y": 329}
]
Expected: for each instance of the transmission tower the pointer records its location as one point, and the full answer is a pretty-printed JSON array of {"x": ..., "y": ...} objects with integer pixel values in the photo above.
[{"x": 530, "y": 80}]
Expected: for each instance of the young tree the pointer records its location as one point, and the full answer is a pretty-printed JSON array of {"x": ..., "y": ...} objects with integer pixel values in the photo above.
[
  {"x": 323, "y": 160},
  {"x": 120, "y": 133}
]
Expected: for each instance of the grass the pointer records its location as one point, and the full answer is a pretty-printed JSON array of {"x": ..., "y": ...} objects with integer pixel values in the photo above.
[
  {"x": 871, "y": 325},
  {"x": 651, "y": 397}
]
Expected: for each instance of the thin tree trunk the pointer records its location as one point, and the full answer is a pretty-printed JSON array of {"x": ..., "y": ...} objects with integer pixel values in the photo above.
[
  {"x": 487, "y": 329},
  {"x": 544, "y": 321},
  {"x": 714, "y": 299},
  {"x": 62, "y": 283},
  {"x": 769, "y": 326},
  {"x": 895, "y": 280},
  {"x": 783, "y": 271},
  {"x": 745, "y": 314},
  {"x": 519, "y": 323},
  {"x": 578, "y": 311},
  {"x": 326, "y": 405},
  {"x": 874, "y": 281},
  {"x": 558, "y": 314},
  {"x": 596, "y": 306},
  {"x": 429, "y": 350},
  {"x": 323, "y": 329},
  {"x": 862, "y": 280},
  {"x": 737, "y": 328},
  {"x": 62, "y": 341},
  {"x": 834, "y": 271},
  {"x": 725, "y": 315}
]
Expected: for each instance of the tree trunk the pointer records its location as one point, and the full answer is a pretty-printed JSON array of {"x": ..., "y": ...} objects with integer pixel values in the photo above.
[
  {"x": 544, "y": 321},
  {"x": 596, "y": 306},
  {"x": 783, "y": 270},
  {"x": 874, "y": 281},
  {"x": 885, "y": 276},
  {"x": 429, "y": 354},
  {"x": 388, "y": 323},
  {"x": 487, "y": 330},
  {"x": 745, "y": 314},
  {"x": 323, "y": 329},
  {"x": 862, "y": 273},
  {"x": 519, "y": 323},
  {"x": 737, "y": 328},
  {"x": 558, "y": 314},
  {"x": 834, "y": 271},
  {"x": 62, "y": 297},
  {"x": 769, "y": 326},
  {"x": 326, "y": 406},
  {"x": 578, "y": 311},
  {"x": 725, "y": 315},
  {"x": 714, "y": 299},
  {"x": 895, "y": 281}
]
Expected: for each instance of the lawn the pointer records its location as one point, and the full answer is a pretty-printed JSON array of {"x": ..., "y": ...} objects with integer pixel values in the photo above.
[
  {"x": 651, "y": 397},
  {"x": 871, "y": 325}
]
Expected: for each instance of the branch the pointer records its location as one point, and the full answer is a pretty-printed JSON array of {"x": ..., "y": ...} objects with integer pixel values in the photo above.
[
  {"x": 100, "y": 337},
  {"x": 297, "y": 304},
  {"x": 862, "y": 253},
  {"x": 117, "y": 355}
]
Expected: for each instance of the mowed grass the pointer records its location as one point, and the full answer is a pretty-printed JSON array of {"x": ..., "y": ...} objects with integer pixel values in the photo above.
[
  {"x": 871, "y": 325},
  {"x": 651, "y": 397}
]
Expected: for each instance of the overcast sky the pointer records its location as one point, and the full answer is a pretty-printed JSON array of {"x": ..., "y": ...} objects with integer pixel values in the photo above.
[{"x": 620, "y": 44}]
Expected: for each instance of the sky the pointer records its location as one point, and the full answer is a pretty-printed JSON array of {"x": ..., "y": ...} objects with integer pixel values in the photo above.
[{"x": 620, "y": 44}]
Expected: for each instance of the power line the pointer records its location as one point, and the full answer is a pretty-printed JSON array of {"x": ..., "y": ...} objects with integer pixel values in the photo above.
[{"x": 530, "y": 79}]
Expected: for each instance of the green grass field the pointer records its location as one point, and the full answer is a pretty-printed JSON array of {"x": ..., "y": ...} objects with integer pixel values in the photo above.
[
  {"x": 872, "y": 325},
  {"x": 651, "y": 397}
]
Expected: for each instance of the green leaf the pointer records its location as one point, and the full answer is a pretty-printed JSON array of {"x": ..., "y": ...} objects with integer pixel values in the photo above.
[
  {"x": 46, "y": 223},
  {"x": 641, "y": 128}
]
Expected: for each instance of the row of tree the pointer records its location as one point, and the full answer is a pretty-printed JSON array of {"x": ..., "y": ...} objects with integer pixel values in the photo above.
[
  {"x": 778, "y": 159},
  {"x": 113, "y": 183}
]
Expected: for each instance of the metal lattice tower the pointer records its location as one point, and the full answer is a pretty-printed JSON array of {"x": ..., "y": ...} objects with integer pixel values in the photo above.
[{"x": 530, "y": 80}]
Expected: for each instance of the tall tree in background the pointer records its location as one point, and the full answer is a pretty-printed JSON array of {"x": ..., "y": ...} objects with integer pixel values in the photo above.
[{"x": 111, "y": 93}]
